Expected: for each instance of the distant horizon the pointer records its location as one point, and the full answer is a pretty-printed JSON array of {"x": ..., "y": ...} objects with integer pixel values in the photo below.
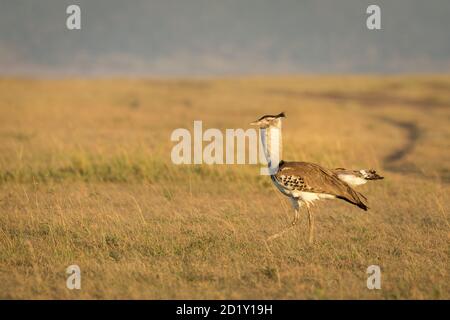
[
  {"x": 198, "y": 38},
  {"x": 113, "y": 77}
]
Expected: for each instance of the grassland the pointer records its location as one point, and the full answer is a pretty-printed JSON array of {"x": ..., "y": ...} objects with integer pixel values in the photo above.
[{"x": 86, "y": 179}]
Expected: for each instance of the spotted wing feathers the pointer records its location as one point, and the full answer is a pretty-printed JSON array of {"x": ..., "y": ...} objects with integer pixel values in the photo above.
[{"x": 310, "y": 177}]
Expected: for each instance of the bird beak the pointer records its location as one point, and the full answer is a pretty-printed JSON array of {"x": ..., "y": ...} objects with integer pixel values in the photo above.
[{"x": 254, "y": 123}]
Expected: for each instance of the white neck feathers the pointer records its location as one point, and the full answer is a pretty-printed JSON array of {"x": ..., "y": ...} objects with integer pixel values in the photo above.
[{"x": 271, "y": 143}]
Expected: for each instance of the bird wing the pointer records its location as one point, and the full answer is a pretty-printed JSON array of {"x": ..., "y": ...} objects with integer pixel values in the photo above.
[{"x": 310, "y": 177}]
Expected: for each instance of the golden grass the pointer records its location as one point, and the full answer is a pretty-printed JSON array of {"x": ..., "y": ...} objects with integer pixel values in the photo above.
[{"x": 86, "y": 179}]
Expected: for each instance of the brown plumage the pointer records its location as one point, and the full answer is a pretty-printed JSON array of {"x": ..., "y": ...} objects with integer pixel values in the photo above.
[
  {"x": 305, "y": 182},
  {"x": 310, "y": 177}
]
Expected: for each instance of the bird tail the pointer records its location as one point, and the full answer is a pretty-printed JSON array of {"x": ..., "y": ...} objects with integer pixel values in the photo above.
[
  {"x": 356, "y": 177},
  {"x": 370, "y": 174}
]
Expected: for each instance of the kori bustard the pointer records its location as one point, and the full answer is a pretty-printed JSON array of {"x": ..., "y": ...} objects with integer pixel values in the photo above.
[{"x": 305, "y": 182}]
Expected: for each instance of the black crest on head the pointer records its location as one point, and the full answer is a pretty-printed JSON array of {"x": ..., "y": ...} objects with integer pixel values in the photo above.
[{"x": 280, "y": 115}]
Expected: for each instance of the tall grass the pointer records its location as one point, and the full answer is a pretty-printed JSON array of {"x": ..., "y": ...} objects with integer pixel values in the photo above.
[{"x": 86, "y": 178}]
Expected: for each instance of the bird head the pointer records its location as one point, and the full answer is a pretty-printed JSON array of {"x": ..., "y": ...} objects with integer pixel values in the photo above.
[{"x": 269, "y": 121}]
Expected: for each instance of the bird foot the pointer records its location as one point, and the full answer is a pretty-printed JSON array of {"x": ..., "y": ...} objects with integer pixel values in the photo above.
[
  {"x": 279, "y": 234},
  {"x": 274, "y": 236}
]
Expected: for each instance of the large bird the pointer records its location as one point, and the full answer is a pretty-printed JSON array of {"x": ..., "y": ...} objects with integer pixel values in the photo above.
[{"x": 305, "y": 182}]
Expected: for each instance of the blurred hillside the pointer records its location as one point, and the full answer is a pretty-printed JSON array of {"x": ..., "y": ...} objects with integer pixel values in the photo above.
[{"x": 199, "y": 37}]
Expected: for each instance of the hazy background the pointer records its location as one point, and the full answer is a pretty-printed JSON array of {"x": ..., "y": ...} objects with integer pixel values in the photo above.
[{"x": 227, "y": 37}]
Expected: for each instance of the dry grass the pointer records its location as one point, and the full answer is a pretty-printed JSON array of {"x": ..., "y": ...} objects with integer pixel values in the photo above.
[{"x": 86, "y": 178}]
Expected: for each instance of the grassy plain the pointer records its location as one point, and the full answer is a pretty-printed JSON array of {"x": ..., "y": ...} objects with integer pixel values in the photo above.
[{"x": 86, "y": 178}]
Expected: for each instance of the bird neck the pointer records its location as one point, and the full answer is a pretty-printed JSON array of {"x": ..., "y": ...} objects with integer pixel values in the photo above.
[{"x": 271, "y": 142}]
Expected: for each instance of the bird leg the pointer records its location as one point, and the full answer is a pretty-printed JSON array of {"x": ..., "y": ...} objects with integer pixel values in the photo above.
[
  {"x": 311, "y": 225},
  {"x": 293, "y": 223},
  {"x": 296, "y": 216}
]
